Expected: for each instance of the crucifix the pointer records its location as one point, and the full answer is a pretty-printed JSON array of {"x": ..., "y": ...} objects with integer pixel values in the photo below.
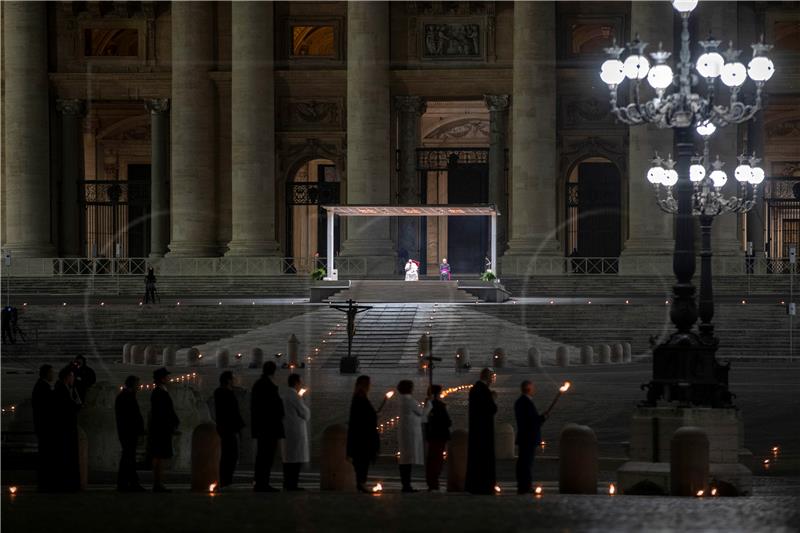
[
  {"x": 430, "y": 359},
  {"x": 352, "y": 309}
]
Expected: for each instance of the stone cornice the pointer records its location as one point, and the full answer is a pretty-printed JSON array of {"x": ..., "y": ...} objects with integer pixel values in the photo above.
[{"x": 112, "y": 85}]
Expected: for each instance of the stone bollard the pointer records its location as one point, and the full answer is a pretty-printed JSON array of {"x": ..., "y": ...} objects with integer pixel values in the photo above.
[
  {"x": 498, "y": 358},
  {"x": 534, "y": 357},
  {"x": 256, "y": 357},
  {"x": 562, "y": 356},
  {"x": 462, "y": 358},
  {"x": 137, "y": 354},
  {"x": 205, "y": 457},
  {"x": 293, "y": 348},
  {"x": 457, "y": 461},
  {"x": 504, "y": 441},
  {"x": 688, "y": 465},
  {"x": 335, "y": 471},
  {"x": 587, "y": 355},
  {"x": 577, "y": 460},
  {"x": 627, "y": 354},
  {"x": 616, "y": 353},
  {"x": 605, "y": 354},
  {"x": 151, "y": 355},
  {"x": 168, "y": 356},
  {"x": 192, "y": 356},
  {"x": 83, "y": 457},
  {"x": 222, "y": 357},
  {"x": 126, "y": 353}
]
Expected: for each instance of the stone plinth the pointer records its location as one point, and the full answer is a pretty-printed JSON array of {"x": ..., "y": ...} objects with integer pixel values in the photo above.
[
  {"x": 587, "y": 355},
  {"x": 504, "y": 441},
  {"x": 688, "y": 465},
  {"x": 335, "y": 472},
  {"x": 457, "y": 461},
  {"x": 562, "y": 356},
  {"x": 534, "y": 357},
  {"x": 205, "y": 458},
  {"x": 577, "y": 460},
  {"x": 605, "y": 354}
]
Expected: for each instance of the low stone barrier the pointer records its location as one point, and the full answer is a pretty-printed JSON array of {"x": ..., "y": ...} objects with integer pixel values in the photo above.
[
  {"x": 137, "y": 354},
  {"x": 151, "y": 355},
  {"x": 498, "y": 358},
  {"x": 256, "y": 357},
  {"x": 504, "y": 441},
  {"x": 605, "y": 354},
  {"x": 577, "y": 460},
  {"x": 616, "y": 353},
  {"x": 689, "y": 463},
  {"x": 562, "y": 356},
  {"x": 192, "y": 356},
  {"x": 457, "y": 461},
  {"x": 587, "y": 355},
  {"x": 627, "y": 354},
  {"x": 534, "y": 357},
  {"x": 222, "y": 357},
  {"x": 205, "y": 457},
  {"x": 293, "y": 349},
  {"x": 168, "y": 356},
  {"x": 126, "y": 353},
  {"x": 335, "y": 471}
]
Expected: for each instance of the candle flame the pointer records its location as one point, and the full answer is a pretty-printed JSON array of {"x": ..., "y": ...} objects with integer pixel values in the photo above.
[
  {"x": 497, "y": 489},
  {"x": 775, "y": 449},
  {"x": 212, "y": 488},
  {"x": 377, "y": 488},
  {"x": 612, "y": 489},
  {"x": 538, "y": 490},
  {"x": 565, "y": 387},
  {"x": 714, "y": 491},
  {"x": 389, "y": 394},
  {"x": 700, "y": 493},
  {"x": 12, "y": 490},
  {"x": 302, "y": 391}
]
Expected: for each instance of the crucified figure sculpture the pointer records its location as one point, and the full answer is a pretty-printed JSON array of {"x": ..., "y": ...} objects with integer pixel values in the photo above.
[{"x": 351, "y": 309}]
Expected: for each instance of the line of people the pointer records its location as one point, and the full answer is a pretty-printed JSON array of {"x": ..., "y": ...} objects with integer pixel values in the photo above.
[{"x": 279, "y": 420}]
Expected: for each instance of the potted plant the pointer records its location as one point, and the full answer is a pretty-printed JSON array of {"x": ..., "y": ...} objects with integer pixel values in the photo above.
[
  {"x": 488, "y": 276},
  {"x": 319, "y": 274}
]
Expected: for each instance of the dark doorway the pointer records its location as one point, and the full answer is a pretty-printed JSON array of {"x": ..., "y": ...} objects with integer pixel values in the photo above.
[
  {"x": 599, "y": 210},
  {"x": 138, "y": 210},
  {"x": 467, "y": 237}
]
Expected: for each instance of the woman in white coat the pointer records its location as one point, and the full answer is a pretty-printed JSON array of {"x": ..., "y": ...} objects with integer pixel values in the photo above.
[
  {"x": 295, "y": 425},
  {"x": 409, "y": 434}
]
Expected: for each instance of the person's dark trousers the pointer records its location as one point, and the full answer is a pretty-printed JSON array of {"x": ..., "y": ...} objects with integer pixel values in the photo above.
[
  {"x": 405, "y": 476},
  {"x": 434, "y": 463},
  {"x": 46, "y": 481},
  {"x": 229, "y": 455},
  {"x": 361, "y": 466},
  {"x": 525, "y": 458},
  {"x": 291, "y": 475},
  {"x": 127, "y": 476},
  {"x": 265, "y": 454}
]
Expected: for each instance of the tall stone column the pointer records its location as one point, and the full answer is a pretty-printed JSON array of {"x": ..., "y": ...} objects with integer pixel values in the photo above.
[
  {"x": 650, "y": 243},
  {"x": 533, "y": 152},
  {"x": 755, "y": 218},
  {"x": 253, "y": 131},
  {"x": 71, "y": 111},
  {"x": 193, "y": 212},
  {"x": 498, "y": 126},
  {"x": 409, "y": 109},
  {"x": 368, "y": 119},
  {"x": 159, "y": 175},
  {"x": 26, "y": 135}
]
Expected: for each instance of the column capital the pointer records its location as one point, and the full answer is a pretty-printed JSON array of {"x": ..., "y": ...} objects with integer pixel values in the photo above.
[
  {"x": 157, "y": 106},
  {"x": 410, "y": 104},
  {"x": 496, "y": 102},
  {"x": 70, "y": 106}
]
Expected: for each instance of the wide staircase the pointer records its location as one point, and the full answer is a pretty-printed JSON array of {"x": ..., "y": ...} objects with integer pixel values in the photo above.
[{"x": 399, "y": 291}]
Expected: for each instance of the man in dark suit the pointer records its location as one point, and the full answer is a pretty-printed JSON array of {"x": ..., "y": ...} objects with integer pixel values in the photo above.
[
  {"x": 42, "y": 401},
  {"x": 229, "y": 424},
  {"x": 164, "y": 423},
  {"x": 266, "y": 410},
  {"x": 130, "y": 425},
  {"x": 481, "y": 476},
  {"x": 529, "y": 435}
]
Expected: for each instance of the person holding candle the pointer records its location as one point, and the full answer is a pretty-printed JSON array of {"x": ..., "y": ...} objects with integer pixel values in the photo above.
[
  {"x": 229, "y": 425},
  {"x": 437, "y": 433},
  {"x": 266, "y": 411},
  {"x": 363, "y": 441},
  {"x": 409, "y": 433},
  {"x": 480, "y": 446},
  {"x": 163, "y": 425},
  {"x": 295, "y": 425},
  {"x": 529, "y": 435}
]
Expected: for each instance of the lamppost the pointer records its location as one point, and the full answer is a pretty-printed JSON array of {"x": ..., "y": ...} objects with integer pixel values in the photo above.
[{"x": 684, "y": 365}]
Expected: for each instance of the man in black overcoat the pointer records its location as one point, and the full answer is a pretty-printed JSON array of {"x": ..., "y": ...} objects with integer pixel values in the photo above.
[
  {"x": 481, "y": 477},
  {"x": 229, "y": 424},
  {"x": 163, "y": 425},
  {"x": 84, "y": 376},
  {"x": 44, "y": 427},
  {"x": 529, "y": 435},
  {"x": 66, "y": 405},
  {"x": 130, "y": 425},
  {"x": 266, "y": 411}
]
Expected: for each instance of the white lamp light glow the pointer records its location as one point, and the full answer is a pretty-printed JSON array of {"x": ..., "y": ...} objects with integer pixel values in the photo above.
[
  {"x": 660, "y": 76},
  {"x": 612, "y": 72},
  {"x": 636, "y": 67},
  {"x": 733, "y": 74},
  {"x": 710, "y": 65},
  {"x": 697, "y": 172}
]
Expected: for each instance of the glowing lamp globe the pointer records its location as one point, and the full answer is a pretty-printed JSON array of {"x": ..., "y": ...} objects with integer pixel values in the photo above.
[
  {"x": 660, "y": 76},
  {"x": 656, "y": 175},
  {"x": 719, "y": 178},
  {"x": 706, "y": 128},
  {"x": 684, "y": 6},
  {"x": 612, "y": 72},
  {"x": 710, "y": 65},
  {"x": 743, "y": 173},
  {"x": 733, "y": 74},
  {"x": 636, "y": 67},
  {"x": 760, "y": 68},
  {"x": 756, "y": 175},
  {"x": 697, "y": 172},
  {"x": 670, "y": 178}
]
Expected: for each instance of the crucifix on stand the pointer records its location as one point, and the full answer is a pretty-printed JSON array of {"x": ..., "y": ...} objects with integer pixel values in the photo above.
[
  {"x": 349, "y": 364},
  {"x": 427, "y": 350}
]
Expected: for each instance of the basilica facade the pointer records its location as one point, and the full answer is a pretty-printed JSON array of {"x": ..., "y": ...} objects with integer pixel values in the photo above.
[{"x": 212, "y": 131}]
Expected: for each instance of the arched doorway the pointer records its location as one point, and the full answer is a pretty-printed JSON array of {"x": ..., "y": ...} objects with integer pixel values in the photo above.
[
  {"x": 593, "y": 209},
  {"x": 314, "y": 183}
]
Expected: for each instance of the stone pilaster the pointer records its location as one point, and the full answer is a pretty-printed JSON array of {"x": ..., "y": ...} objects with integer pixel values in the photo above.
[
  {"x": 26, "y": 122},
  {"x": 368, "y": 145},
  {"x": 409, "y": 109},
  {"x": 533, "y": 153},
  {"x": 71, "y": 111},
  {"x": 159, "y": 175},
  {"x": 498, "y": 128},
  {"x": 193, "y": 206},
  {"x": 650, "y": 243},
  {"x": 253, "y": 131}
]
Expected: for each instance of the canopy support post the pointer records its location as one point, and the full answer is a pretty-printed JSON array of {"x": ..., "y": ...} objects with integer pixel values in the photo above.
[
  {"x": 494, "y": 243},
  {"x": 329, "y": 268}
]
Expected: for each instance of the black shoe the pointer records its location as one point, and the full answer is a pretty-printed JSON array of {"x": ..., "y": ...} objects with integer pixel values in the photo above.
[
  {"x": 160, "y": 488},
  {"x": 266, "y": 488}
]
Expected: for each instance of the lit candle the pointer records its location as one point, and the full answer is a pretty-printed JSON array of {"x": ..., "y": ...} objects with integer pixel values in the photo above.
[
  {"x": 301, "y": 392},
  {"x": 700, "y": 493},
  {"x": 212, "y": 487},
  {"x": 612, "y": 489},
  {"x": 377, "y": 489},
  {"x": 714, "y": 491},
  {"x": 565, "y": 387},
  {"x": 389, "y": 394},
  {"x": 538, "y": 491},
  {"x": 12, "y": 490},
  {"x": 497, "y": 489}
]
